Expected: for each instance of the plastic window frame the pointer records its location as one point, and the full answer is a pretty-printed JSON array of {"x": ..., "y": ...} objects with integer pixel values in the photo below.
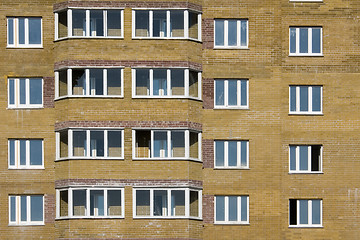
[
  {"x": 297, "y": 159},
  {"x": 310, "y": 100},
  {"x": 226, "y": 92},
  {"x": 226, "y": 210},
  {"x": 16, "y": 43},
  {"x": 238, "y": 38},
  {"x": 16, "y": 93},
  {"x": 309, "y": 225},
  {"x": 28, "y": 221},
  {"x": 297, "y": 41},
  {"x": 238, "y": 165},
  {"x": 27, "y": 154}
]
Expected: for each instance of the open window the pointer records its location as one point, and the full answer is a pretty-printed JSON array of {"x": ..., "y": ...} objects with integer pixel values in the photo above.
[{"x": 305, "y": 158}]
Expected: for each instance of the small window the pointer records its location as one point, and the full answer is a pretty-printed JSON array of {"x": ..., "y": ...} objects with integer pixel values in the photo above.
[
  {"x": 90, "y": 203},
  {"x": 175, "y": 24},
  {"x": 25, "y": 93},
  {"x": 231, "y": 33},
  {"x": 231, "y": 94},
  {"x": 231, "y": 154},
  {"x": 305, "y": 99},
  {"x": 26, "y": 154},
  {"x": 305, "y": 159},
  {"x": 90, "y": 144},
  {"x": 26, "y": 210},
  {"x": 94, "y": 82},
  {"x": 167, "y": 203},
  {"x": 24, "y": 32},
  {"x": 166, "y": 144},
  {"x": 166, "y": 83},
  {"x": 89, "y": 23},
  {"x": 231, "y": 209},
  {"x": 305, "y": 41},
  {"x": 305, "y": 213}
]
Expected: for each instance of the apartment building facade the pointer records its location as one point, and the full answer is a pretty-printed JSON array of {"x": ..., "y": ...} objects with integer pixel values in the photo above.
[{"x": 179, "y": 119}]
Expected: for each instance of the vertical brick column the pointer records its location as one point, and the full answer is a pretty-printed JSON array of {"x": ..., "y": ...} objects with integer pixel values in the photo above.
[
  {"x": 208, "y": 208},
  {"x": 48, "y": 92},
  {"x": 49, "y": 208},
  {"x": 208, "y": 33},
  {"x": 208, "y": 153},
  {"x": 208, "y": 93}
]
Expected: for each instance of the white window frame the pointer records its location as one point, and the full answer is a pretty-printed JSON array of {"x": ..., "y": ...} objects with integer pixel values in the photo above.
[
  {"x": 88, "y": 144},
  {"x": 226, "y": 210},
  {"x": 168, "y": 131},
  {"x": 226, "y": 157},
  {"x": 226, "y": 92},
  {"x": 310, "y": 1},
  {"x": 87, "y": 79},
  {"x": 87, "y": 213},
  {"x": 16, "y": 43},
  {"x": 87, "y": 32},
  {"x": 310, "y": 100},
  {"x": 309, "y": 225},
  {"x": 168, "y": 12},
  {"x": 297, "y": 159},
  {"x": 168, "y": 216},
  {"x": 168, "y": 84},
  {"x": 238, "y": 40},
  {"x": 28, "y": 221},
  {"x": 27, "y": 154},
  {"x": 27, "y": 94},
  {"x": 309, "y": 53}
]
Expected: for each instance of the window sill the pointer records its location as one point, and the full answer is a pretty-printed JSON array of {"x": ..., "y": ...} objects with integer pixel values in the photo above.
[
  {"x": 231, "y": 108},
  {"x": 167, "y": 218},
  {"x": 303, "y": 226},
  {"x": 26, "y": 225},
  {"x": 230, "y": 48},
  {"x": 90, "y": 37},
  {"x": 307, "y": 1},
  {"x": 25, "y": 47},
  {"x": 166, "y": 159},
  {"x": 89, "y": 158},
  {"x": 291, "y": 173},
  {"x": 231, "y": 168},
  {"x": 305, "y": 114},
  {"x": 86, "y": 217},
  {"x": 28, "y": 168},
  {"x": 166, "y": 38},
  {"x": 166, "y": 97},
  {"x": 232, "y": 223},
  {"x": 89, "y": 96},
  {"x": 24, "y": 108},
  {"x": 306, "y": 55}
]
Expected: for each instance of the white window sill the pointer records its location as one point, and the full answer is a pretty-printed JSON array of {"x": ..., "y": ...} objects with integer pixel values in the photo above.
[
  {"x": 90, "y": 37},
  {"x": 25, "y": 107},
  {"x": 306, "y": 226},
  {"x": 26, "y": 168},
  {"x": 167, "y": 159},
  {"x": 166, "y": 97},
  {"x": 89, "y": 96},
  {"x": 231, "y": 108},
  {"x": 232, "y": 168},
  {"x": 26, "y": 224},
  {"x": 231, "y": 48},
  {"x": 89, "y": 158},
  {"x": 232, "y": 223},
  {"x": 306, "y": 55},
  {"x": 307, "y": 1},
  {"x": 307, "y": 113},
  {"x": 27, "y": 47},
  {"x": 293, "y": 172},
  {"x": 167, "y": 217},
  {"x": 90, "y": 217},
  {"x": 165, "y": 38}
]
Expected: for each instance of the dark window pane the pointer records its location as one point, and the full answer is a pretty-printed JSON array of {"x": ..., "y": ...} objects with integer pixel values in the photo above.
[
  {"x": 316, "y": 99},
  {"x": 293, "y": 158},
  {"x": 12, "y": 152},
  {"x": 142, "y": 82},
  {"x": 220, "y": 208},
  {"x": 304, "y": 99},
  {"x": 244, "y": 206},
  {"x": 316, "y": 211},
  {"x": 12, "y": 208},
  {"x": 316, "y": 40},
  {"x": 97, "y": 143},
  {"x": 114, "y": 203},
  {"x": 113, "y": 23},
  {"x": 34, "y": 30},
  {"x": 232, "y": 32},
  {"x": 36, "y": 208},
  {"x": 244, "y": 33},
  {"x": 35, "y": 90},
  {"x": 303, "y": 157},
  {"x": 232, "y": 92},
  {"x": 219, "y": 150},
  {"x": 11, "y": 91},
  {"x": 160, "y": 82},
  {"x": 114, "y": 81},
  {"x": 292, "y": 40},
  {"x": 177, "y": 82},
  {"x": 79, "y": 22},
  {"x": 10, "y": 31},
  {"x": 23, "y": 208},
  {"x": 219, "y": 93},
  {"x": 160, "y": 203},
  {"x": 22, "y": 90},
  {"x": 96, "y": 82},
  {"x": 233, "y": 208},
  {"x": 304, "y": 40},
  {"x": 232, "y": 153},
  {"x": 293, "y": 211},
  {"x": 177, "y": 23},
  {"x": 244, "y": 153},
  {"x": 142, "y": 23},
  {"x": 219, "y": 32},
  {"x": 96, "y": 23},
  {"x": 79, "y": 202},
  {"x": 96, "y": 202},
  {"x": 22, "y": 152},
  {"x": 243, "y": 92},
  {"x": 292, "y": 98},
  {"x": 142, "y": 203},
  {"x": 315, "y": 157},
  {"x": 36, "y": 152},
  {"x": 159, "y": 24},
  {"x": 21, "y": 30},
  {"x": 304, "y": 212}
]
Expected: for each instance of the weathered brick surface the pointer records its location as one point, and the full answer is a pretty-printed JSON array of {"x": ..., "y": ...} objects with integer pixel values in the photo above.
[
  {"x": 208, "y": 209},
  {"x": 208, "y": 153},
  {"x": 208, "y": 93},
  {"x": 49, "y": 92}
]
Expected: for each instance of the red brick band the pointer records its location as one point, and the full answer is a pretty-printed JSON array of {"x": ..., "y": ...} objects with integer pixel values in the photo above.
[
  {"x": 208, "y": 33},
  {"x": 49, "y": 208},
  {"x": 208, "y": 153},
  {"x": 49, "y": 92},
  {"x": 208, "y": 93},
  {"x": 208, "y": 208}
]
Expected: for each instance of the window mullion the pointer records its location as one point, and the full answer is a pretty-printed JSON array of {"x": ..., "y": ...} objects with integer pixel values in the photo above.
[
  {"x": 69, "y": 82},
  {"x": 199, "y": 26},
  {"x": 151, "y": 76},
  {"x": 169, "y": 202},
  {"x": 238, "y": 86},
  {"x": 70, "y": 141},
  {"x": 298, "y": 212},
  {"x": 310, "y": 212},
  {"x": 168, "y": 80},
  {"x": 87, "y": 202},
  {"x": 310, "y": 99},
  {"x": 56, "y": 84},
  {"x": 186, "y": 24},
  {"x": 226, "y": 208},
  {"x": 87, "y": 21},
  {"x": 297, "y": 158},
  {"x": 226, "y": 33},
  {"x": 28, "y": 210},
  {"x": 151, "y": 202},
  {"x": 187, "y": 144},
  {"x": 17, "y": 153},
  {"x": 297, "y": 99},
  {"x": 105, "y": 82},
  {"x": 17, "y": 92},
  {"x": 69, "y": 20},
  {"x": 310, "y": 40},
  {"x": 56, "y": 27},
  {"x": 87, "y": 82},
  {"x": 27, "y": 91},
  {"x": 199, "y": 85},
  {"x": 105, "y": 22},
  {"x": 238, "y": 37},
  {"x": 226, "y": 155},
  {"x": 27, "y": 153},
  {"x": 238, "y": 157},
  {"x": 297, "y": 40},
  {"x": 226, "y": 92},
  {"x": 151, "y": 23},
  {"x": 152, "y": 144},
  {"x": 309, "y": 158},
  {"x": 187, "y": 203},
  {"x": 168, "y": 23},
  {"x": 239, "y": 207},
  {"x": 169, "y": 147},
  {"x": 106, "y": 143},
  {"x": 26, "y": 31},
  {"x": 105, "y": 202},
  {"x": 70, "y": 199},
  {"x": 88, "y": 144},
  {"x": 186, "y": 83},
  {"x": 200, "y": 146}
]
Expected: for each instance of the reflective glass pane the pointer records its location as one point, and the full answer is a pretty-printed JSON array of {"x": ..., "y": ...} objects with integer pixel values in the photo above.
[
  {"x": 160, "y": 203},
  {"x": 21, "y": 30},
  {"x": 232, "y": 153},
  {"x": 114, "y": 203},
  {"x": 96, "y": 202},
  {"x": 78, "y": 82},
  {"x": 178, "y": 144},
  {"x": 36, "y": 152},
  {"x": 114, "y": 23},
  {"x": 232, "y": 32},
  {"x": 303, "y": 205},
  {"x": 219, "y": 32},
  {"x": 219, "y": 93},
  {"x": 34, "y": 30},
  {"x": 193, "y": 84},
  {"x": 97, "y": 143},
  {"x": 304, "y": 40},
  {"x": 79, "y": 202},
  {"x": 160, "y": 82},
  {"x": 79, "y": 143},
  {"x": 244, "y": 33},
  {"x": 304, "y": 99},
  {"x": 194, "y": 204},
  {"x": 36, "y": 208},
  {"x": 316, "y": 211},
  {"x": 142, "y": 82},
  {"x": 316, "y": 99},
  {"x": 64, "y": 203},
  {"x": 159, "y": 24},
  {"x": 232, "y": 92},
  {"x": 293, "y": 158},
  {"x": 233, "y": 208},
  {"x": 10, "y": 31},
  {"x": 96, "y": 82},
  {"x": 79, "y": 22},
  {"x": 22, "y": 82},
  {"x": 220, "y": 208},
  {"x": 22, "y": 152},
  {"x": 193, "y": 25},
  {"x": 12, "y": 208},
  {"x": 35, "y": 90},
  {"x": 292, "y": 98},
  {"x": 160, "y": 144},
  {"x": 114, "y": 81},
  {"x": 244, "y": 206},
  {"x": 316, "y": 40},
  {"x": 142, "y": 23},
  {"x": 303, "y": 157},
  {"x": 62, "y": 24},
  {"x": 114, "y": 144},
  {"x": 142, "y": 203},
  {"x": 63, "y": 85},
  {"x": 219, "y": 153},
  {"x": 12, "y": 152},
  {"x": 244, "y": 153},
  {"x": 11, "y": 91},
  {"x": 244, "y": 93},
  {"x": 177, "y": 82},
  {"x": 23, "y": 208},
  {"x": 177, "y": 203},
  {"x": 96, "y": 23},
  {"x": 292, "y": 40},
  {"x": 177, "y": 23}
]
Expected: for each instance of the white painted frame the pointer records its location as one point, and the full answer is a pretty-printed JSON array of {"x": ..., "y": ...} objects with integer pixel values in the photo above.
[
  {"x": 16, "y": 43},
  {"x": 309, "y": 53},
  {"x": 226, "y": 92},
  {"x": 309, "y": 225},
  {"x": 27, "y": 154},
  {"x": 27, "y": 94},
  {"x": 238, "y": 39},
  {"x": 309, "y": 1},
  {"x": 168, "y": 216},
  {"x": 28, "y": 221},
  {"x": 310, "y": 100},
  {"x": 87, "y": 212},
  {"x": 168, "y": 84},
  {"x": 88, "y": 146},
  {"x": 226, "y": 159},
  {"x": 226, "y": 210},
  {"x": 169, "y": 131},
  {"x": 297, "y": 160}
]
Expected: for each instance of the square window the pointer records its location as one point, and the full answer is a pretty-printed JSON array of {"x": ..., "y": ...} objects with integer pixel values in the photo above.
[
  {"x": 305, "y": 99},
  {"x": 25, "y": 93},
  {"x": 231, "y": 33},
  {"x": 231, "y": 209},
  {"x": 305, "y": 158},
  {"x": 305, "y": 213},
  {"x": 25, "y": 154},
  {"x": 231, "y": 154},
  {"x": 232, "y": 94},
  {"x": 24, "y": 32},
  {"x": 305, "y": 41},
  {"x": 26, "y": 210}
]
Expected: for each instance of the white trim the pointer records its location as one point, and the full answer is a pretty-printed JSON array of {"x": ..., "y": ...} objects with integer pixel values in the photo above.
[
  {"x": 226, "y": 210},
  {"x": 297, "y": 159},
  {"x": 226, "y": 150},
  {"x": 16, "y": 43},
  {"x": 17, "y": 96},
  {"x": 310, "y": 100},
  {"x": 226, "y": 35},
  {"x": 226, "y": 92},
  {"x": 17, "y": 153},
  {"x": 297, "y": 37},
  {"x": 309, "y": 224},
  {"x": 28, "y": 221}
]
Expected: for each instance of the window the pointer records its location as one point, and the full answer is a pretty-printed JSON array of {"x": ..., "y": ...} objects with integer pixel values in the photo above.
[
  {"x": 231, "y": 93},
  {"x": 90, "y": 203},
  {"x": 25, "y": 93},
  {"x": 24, "y": 32},
  {"x": 305, "y": 99},
  {"x": 166, "y": 83},
  {"x": 166, "y": 24},
  {"x": 25, "y": 154},
  {"x": 93, "y": 23},
  {"x": 166, "y": 144},
  {"x": 231, "y": 209},
  {"x": 94, "y": 82},
  {"x": 305, "y": 213},
  {"x": 167, "y": 203},
  {"x": 26, "y": 210},
  {"x": 231, "y": 154},
  {"x": 305, "y": 158},
  {"x": 232, "y": 33},
  {"x": 306, "y": 41},
  {"x": 93, "y": 144}
]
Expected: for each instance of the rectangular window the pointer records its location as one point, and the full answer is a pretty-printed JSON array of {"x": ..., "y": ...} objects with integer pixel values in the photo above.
[
  {"x": 231, "y": 93},
  {"x": 93, "y": 144},
  {"x": 25, "y": 154},
  {"x": 25, "y": 93},
  {"x": 305, "y": 158},
  {"x": 305, "y": 99},
  {"x": 24, "y": 32},
  {"x": 231, "y": 210},
  {"x": 26, "y": 210},
  {"x": 166, "y": 24},
  {"x": 305, "y": 41},
  {"x": 231, "y": 33},
  {"x": 231, "y": 154},
  {"x": 94, "y": 82},
  {"x": 166, "y": 83},
  {"x": 166, "y": 144},
  {"x": 89, "y": 23},
  {"x": 90, "y": 203},
  {"x": 167, "y": 203},
  {"x": 305, "y": 213}
]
